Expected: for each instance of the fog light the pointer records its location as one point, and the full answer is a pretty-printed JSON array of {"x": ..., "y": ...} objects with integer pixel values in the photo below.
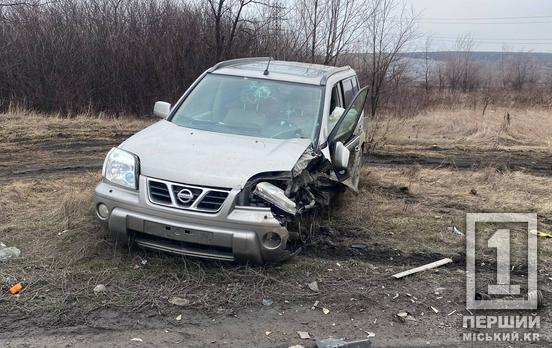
[
  {"x": 103, "y": 211},
  {"x": 272, "y": 240}
]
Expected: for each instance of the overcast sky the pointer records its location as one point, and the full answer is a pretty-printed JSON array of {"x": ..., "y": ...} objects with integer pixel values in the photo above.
[{"x": 492, "y": 23}]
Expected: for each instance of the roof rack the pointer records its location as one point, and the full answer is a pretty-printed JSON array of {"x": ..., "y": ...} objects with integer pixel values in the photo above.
[
  {"x": 323, "y": 78},
  {"x": 239, "y": 60},
  {"x": 328, "y": 74}
]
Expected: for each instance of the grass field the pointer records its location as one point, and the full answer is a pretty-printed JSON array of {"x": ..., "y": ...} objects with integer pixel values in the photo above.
[{"x": 50, "y": 165}]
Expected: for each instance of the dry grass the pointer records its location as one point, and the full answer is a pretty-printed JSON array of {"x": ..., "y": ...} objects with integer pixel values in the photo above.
[
  {"x": 33, "y": 143},
  {"x": 399, "y": 211},
  {"x": 469, "y": 128}
]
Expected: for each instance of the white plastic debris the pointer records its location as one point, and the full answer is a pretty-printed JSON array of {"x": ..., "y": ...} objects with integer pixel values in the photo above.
[
  {"x": 315, "y": 305},
  {"x": 137, "y": 339},
  {"x": 404, "y": 316},
  {"x": 325, "y": 310},
  {"x": 179, "y": 317},
  {"x": 100, "y": 288},
  {"x": 179, "y": 301},
  {"x": 303, "y": 335},
  {"x": 313, "y": 286},
  {"x": 7, "y": 253}
]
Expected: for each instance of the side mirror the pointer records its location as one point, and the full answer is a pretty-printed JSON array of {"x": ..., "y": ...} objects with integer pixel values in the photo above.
[
  {"x": 341, "y": 156},
  {"x": 161, "y": 109}
]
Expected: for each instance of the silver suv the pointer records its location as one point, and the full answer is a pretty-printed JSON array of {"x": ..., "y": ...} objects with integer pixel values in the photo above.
[{"x": 252, "y": 146}]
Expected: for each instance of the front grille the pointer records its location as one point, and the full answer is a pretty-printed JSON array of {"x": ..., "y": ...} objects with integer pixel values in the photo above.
[
  {"x": 202, "y": 199},
  {"x": 212, "y": 200},
  {"x": 159, "y": 192}
]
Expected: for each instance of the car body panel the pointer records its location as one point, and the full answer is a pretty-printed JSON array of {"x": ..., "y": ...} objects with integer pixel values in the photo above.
[{"x": 190, "y": 156}]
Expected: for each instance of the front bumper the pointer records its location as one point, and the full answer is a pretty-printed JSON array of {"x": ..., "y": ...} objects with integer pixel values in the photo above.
[{"x": 234, "y": 233}]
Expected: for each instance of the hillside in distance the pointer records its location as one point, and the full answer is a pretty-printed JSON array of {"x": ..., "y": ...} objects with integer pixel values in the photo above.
[{"x": 541, "y": 59}]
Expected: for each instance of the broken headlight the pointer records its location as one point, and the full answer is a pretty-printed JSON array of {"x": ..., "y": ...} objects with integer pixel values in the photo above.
[
  {"x": 247, "y": 196},
  {"x": 275, "y": 195}
]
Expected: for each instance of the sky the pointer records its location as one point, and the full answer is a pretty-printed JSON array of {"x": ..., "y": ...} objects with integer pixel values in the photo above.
[{"x": 516, "y": 25}]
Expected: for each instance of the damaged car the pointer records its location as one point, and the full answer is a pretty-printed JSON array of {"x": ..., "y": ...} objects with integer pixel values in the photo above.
[{"x": 251, "y": 148}]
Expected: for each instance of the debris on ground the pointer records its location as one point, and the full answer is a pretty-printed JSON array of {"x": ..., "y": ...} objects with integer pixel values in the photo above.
[
  {"x": 267, "y": 302},
  {"x": 100, "y": 288},
  {"x": 179, "y": 301},
  {"x": 359, "y": 245},
  {"x": 315, "y": 305},
  {"x": 341, "y": 343},
  {"x": 422, "y": 268},
  {"x": 296, "y": 346},
  {"x": 325, "y": 310},
  {"x": 268, "y": 332},
  {"x": 451, "y": 313},
  {"x": 454, "y": 230},
  {"x": 14, "y": 290},
  {"x": 303, "y": 335},
  {"x": 473, "y": 192},
  {"x": 543, "y": 234},
  {"x": 7, "y": 253},
  {"x": 137, "y": 339},
  {"x": 313, "y": 286},
  {"x": 179, "y": 317},
  {"x": 404, "y": 316},
  {"x": 434, "y": 309}
]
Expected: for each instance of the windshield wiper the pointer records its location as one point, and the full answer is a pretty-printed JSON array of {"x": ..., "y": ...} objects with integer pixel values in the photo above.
[
  {"x": 193, "y": 121},
  {"x": 240, "y": 127}
]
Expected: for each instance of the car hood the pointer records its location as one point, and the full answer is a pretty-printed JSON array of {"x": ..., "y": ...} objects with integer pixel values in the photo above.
[{"x": 184, "y": 155}]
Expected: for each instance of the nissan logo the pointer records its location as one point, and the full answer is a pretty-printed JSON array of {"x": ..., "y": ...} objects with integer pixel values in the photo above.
[{"x": 185, "y": 196}]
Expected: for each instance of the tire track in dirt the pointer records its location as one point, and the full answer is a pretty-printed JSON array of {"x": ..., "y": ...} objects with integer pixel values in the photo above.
[
  {"x": 534, "y": 162},
  {"x": 64, "y": 156}
]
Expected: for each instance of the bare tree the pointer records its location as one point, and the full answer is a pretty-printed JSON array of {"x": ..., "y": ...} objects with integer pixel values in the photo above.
[
  {"x": 461, "y": 69},
  {"x": 227, "y": 16},
  {"x": 427, "y": 64},
  {"x": 520, "y": 71},
  {"x": 343, "y": 24},
  {"x": 390, "y": 28},
  {"x": 329, "y": 27},
  {"x": 309, "y": 23}
]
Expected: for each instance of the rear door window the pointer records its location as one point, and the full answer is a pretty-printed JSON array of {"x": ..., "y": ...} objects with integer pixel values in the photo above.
[{"x": 349, "y": 90}]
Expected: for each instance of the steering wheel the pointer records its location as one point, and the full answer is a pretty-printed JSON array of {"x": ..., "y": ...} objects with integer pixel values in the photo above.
[{"x": 288, "y": 127}]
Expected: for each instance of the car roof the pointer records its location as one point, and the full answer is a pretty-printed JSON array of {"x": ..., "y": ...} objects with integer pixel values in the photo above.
[{"x": 315, "y": 74}]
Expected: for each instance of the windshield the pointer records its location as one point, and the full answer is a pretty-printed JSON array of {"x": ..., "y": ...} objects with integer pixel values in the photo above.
[{"x": 253, "y": 107}]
